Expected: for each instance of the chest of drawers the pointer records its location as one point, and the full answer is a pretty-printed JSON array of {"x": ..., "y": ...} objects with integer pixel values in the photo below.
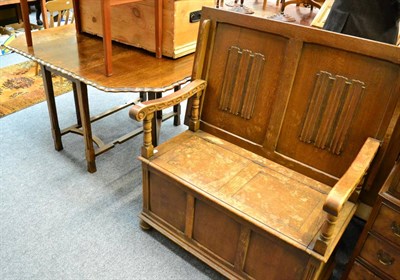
[{"x": 377, "y": 253}]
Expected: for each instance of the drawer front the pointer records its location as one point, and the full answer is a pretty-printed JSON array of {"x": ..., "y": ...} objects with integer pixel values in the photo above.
[
  {"x": 359, "y": 272},
  {"x": 387, "y": 224},
  {"x": 382, "y": 256}
]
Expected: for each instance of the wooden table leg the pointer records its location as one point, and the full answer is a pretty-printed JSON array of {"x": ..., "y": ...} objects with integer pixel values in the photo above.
[
  {"x": 177, "y": 110},
  {"x": 159, "y": 114},
  {"x": 77, "y": 111},
  {"x": 51, "y": 104},
  {"x": 156, "y": 122},
  {"x": 81, "y": 89}
]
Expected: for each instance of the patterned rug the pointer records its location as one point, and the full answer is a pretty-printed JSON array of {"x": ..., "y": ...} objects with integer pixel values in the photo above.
[{"x": 21, "y": 88}]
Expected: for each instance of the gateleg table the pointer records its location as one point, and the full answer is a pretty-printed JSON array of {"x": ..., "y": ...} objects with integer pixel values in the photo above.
[{"x": 79, "y": 58}]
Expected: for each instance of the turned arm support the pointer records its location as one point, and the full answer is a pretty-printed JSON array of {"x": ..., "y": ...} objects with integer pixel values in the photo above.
[
  {"x": 145, "y": 111},
  {"x": 343, "y": 190},
  {"x": 354, "y": 175}
]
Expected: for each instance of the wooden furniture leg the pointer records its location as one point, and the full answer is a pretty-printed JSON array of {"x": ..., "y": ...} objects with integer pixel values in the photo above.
[
  {"x": 27, "y": 23},
  {"x": 177, "y": 110},
  {"x": 106, "y": 17},
  {"x": 158, "y": 26},
  {"x": 81, "y": 89},
  {"x": 44, "y": 13},
  {"x": 51, "y": 104},
  {"x": 77, "y": 15},
  {"x": 155, "y": 121},
  {"x": 78, "y": 114},
  {"x": 107, "y": 40}
]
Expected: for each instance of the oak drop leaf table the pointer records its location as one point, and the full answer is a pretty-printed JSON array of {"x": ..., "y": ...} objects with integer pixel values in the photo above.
[{"x": 79, "y": 58}]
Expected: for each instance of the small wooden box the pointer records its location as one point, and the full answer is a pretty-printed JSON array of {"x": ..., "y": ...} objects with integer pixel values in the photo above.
[{"x": 133, "y": 24}]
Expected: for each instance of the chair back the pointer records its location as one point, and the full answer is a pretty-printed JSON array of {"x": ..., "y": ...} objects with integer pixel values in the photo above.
[
  {"x": 302, "y": 97},
  {"x": 61, "y": 12}
]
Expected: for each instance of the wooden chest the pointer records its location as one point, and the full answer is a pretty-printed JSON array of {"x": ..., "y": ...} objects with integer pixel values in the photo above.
[
  {"x": 280, "y": 116},
  {"x": 133, "y": 24}
]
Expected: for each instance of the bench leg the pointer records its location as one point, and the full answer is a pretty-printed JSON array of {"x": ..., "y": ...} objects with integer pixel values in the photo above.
[{"x": 144, "y": 225}]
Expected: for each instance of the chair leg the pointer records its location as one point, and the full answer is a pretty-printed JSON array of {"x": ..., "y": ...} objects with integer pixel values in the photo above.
[{"x": 37, "y": 69}]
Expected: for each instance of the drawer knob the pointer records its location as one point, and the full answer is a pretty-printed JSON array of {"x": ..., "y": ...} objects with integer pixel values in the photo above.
[
  {"x": 396, "y": 228},
  {"x": 384, "y": 258}
]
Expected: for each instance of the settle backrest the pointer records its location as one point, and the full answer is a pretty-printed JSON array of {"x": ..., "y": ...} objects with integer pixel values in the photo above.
[{"x": 305, "y": 98}]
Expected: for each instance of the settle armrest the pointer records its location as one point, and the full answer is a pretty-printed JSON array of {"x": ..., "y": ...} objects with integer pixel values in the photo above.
[
  {"x": 343, "y": 190},
  {"x": 141, "y": 110},
  {"x": 145, "y": 111},
  {"x": 346, "y": 185}
]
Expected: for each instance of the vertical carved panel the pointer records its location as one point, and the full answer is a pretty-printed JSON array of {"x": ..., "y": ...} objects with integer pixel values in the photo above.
[
  {"x": 242, "y": 76},
  {"x": 331, "y": 109}
]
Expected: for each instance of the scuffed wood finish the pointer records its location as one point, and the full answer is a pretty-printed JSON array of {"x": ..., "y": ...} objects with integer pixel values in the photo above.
[{"x": 290, "y": 128}]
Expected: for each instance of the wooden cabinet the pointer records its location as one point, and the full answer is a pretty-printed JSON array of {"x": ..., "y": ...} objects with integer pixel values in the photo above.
[{"x": 377, "y": 254}]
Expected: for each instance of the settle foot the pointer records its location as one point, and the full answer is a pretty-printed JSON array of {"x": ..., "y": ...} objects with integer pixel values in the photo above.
[{"x": 144, "y": 225}]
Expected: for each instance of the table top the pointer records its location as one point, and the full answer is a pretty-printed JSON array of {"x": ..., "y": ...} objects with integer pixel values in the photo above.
[
  {"x": 80, "y": 57},
  {"x": 8, "y": 2}
]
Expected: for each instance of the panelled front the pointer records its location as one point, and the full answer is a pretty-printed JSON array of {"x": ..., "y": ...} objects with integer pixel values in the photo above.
[{"x": 201, "y": 225}]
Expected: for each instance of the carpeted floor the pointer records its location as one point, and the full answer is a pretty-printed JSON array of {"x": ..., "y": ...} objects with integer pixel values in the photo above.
[
  {"x": 20, "y": 87},
  {"x": 60, "y": 222}
]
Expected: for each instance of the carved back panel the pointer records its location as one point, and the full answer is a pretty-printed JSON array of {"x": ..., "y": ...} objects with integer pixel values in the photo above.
[{"x": 305, "y": 98}]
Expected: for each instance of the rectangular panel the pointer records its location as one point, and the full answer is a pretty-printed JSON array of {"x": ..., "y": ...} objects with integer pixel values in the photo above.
[
  {"x": 286, "y": 262},
  {"x": 167, "y": 201},
  {"x": 337, "y": 100},
  {"x": 242, "y": 81},
  {"x": 216, "y": 231}
]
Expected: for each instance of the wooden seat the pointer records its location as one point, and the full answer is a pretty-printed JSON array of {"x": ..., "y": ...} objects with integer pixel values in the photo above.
[
  {"x": 61, "y": 12},
  {"x": 281, "y": 142}
]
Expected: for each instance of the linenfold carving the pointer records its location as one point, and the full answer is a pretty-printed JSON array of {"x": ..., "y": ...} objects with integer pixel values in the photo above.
[
  {"x": 331, "y": 109},
  {"x": 243, "y": 72}
]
